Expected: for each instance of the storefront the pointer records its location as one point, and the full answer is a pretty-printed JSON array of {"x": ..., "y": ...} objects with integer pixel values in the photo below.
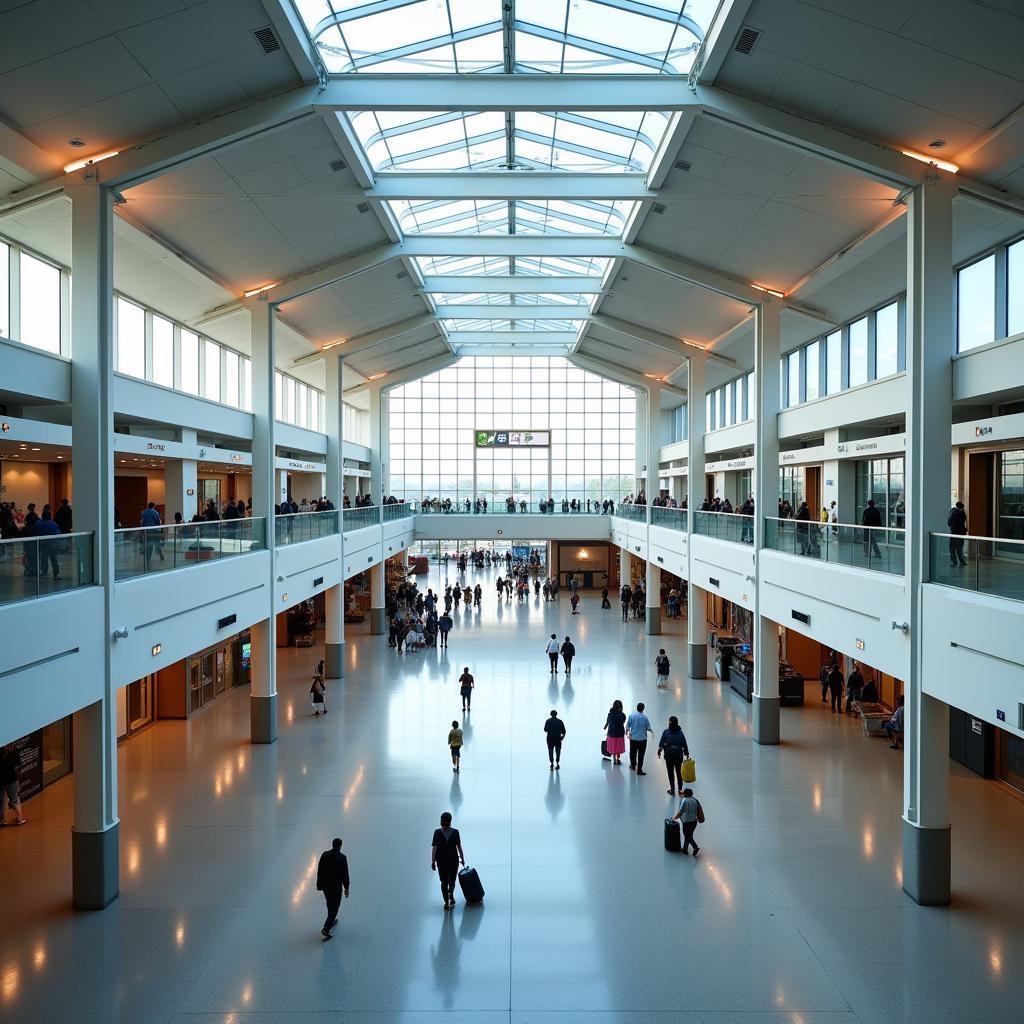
[
  {"x": 882, "y": 481},
  {"x": 45, "y": 757},
  {"x": 213, "y": 672}
]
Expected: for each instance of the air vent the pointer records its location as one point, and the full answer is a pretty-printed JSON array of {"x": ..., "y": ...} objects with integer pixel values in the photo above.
[
  {"x": 363, "y": 207},
  {"x": 747, "y": 39},
  {"x": 401, "y": 274},
  {"x": 338, "y": 165},
  {"x": 659, "y": 207},
  {"x": 683, "y": 165},
  {"x": 267, "y": 40}
]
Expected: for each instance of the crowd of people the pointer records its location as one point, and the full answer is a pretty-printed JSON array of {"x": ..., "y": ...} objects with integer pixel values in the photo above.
[{"x": 18, "y": 524}]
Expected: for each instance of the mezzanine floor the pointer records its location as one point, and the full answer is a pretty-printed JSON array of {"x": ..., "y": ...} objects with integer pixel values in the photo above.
[{"x": 793, "y": 913}]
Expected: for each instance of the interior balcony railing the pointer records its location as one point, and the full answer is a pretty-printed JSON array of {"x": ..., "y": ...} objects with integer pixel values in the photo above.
[
  {"x": 878, "y": 548},
  {"x": 399, "y": 510},
  {"x": 146, "y": 550},
  {"x": 357, "y": 518},
  {"x": 37, "y": 566},
  {"x": 500, "y": 508},
  {"x": 724, "y": 526},
  {"x": 986, "y": 565},
  {"x": 302, "y": 526},
  {"x": 635, "y": 513},
  {"x": 672, "y": 518}
]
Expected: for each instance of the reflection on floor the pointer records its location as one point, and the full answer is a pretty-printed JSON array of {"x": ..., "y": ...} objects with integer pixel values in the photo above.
[{"x": 793, "y": 912}]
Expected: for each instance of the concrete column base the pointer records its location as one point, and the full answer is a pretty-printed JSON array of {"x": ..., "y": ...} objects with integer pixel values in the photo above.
[
  {"x": 766, "y": 720},
  {"x": 263, "y": 719},
  {"x": 377, "y": 624},
  {"x": 653, "y": 616},
  {"x": 95, "y": 866},
  {"x": 334, "y": 661},
  {"x": 926, "y": 864},
  {"x": 697, "y": 661}
]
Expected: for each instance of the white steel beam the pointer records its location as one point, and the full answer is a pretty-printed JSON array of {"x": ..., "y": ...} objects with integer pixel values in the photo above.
[
  {"x": 509, "y": 186},
  {"x": 418, "y": 370},
  {"x": 518, "y": 285},
  {"x": 373, "y": 339},
  {"x": 493, "y": 350},
  {"x": 706, "y": 277},
  {"x": 520, "y": 339},
  {"x": 676, "y": 346},
  {"x": 524, "y": 311}
]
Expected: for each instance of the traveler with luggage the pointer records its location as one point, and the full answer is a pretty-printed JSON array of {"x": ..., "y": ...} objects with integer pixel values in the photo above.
[
  {"x": 605, "y": 603},
  {"x": 316, "y": 695},
  {"x": 466, "y": 685},
  {"x": 690, "y": 813},
  {"x": 332, "y": 880},
  {"x": 455, "y": 737},
  {"x": 615, "y": 730},
  {"x": 554, "y": 732},
  {"x": 445, "y": 857},
  {"x": 638, "y": 725},
  {"x": 673, "y": 745},
  {"x": 661, "y": 666}
]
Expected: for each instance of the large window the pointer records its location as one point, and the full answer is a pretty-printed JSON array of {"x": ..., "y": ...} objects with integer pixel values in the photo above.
[
  {"x": 231, "y": 378},
  {"x": 792, "y": 380},
  {"x": 887, "y": 340},
  {"x": 5, "y": 292},
  {"x": 834, "y": 363},
  {"x": 211, "y": 370},
  {"x": 858, "y": 345},
  {"x": 812, "y": 371},
  {"x": 163, "y": 352},
  {"x": 975, "y": 304},
  {"x": 1014, "y": 289},
  {"x": 190, "y": 362},
  {"x": 591, "y": 423},
  {"x": 40, "y": 304},
  {"x": 131, "y": 339}
]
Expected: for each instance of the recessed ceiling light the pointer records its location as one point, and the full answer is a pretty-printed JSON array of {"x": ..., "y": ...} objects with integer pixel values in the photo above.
[
  {"x": 936, "y": 143},
  {"x": 37, "y": 449},
  {"x": 76, "y": 142}
]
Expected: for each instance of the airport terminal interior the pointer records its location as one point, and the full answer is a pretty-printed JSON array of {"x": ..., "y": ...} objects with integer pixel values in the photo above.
[{"x": 690, "y": 598}]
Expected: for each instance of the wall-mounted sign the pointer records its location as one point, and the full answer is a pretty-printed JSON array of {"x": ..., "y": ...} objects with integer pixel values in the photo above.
[
  {"x": 238, "y": 458},
  {"x": 982, "y": 431},
  {"x": 305, "y": 467},
  {"x": 976, "y": 727},
  {"x": 228, "y": 620},
  {"x": 512, "y": 438},
  {"x": 1000, "y": 715},
  {"x": 152, "y": 446},
  {"x": 860, "y": 644},
  {"x": 190, "y": 491},
  {"x": 5, "y": 427},
  {"x": 156, "y": 649}
]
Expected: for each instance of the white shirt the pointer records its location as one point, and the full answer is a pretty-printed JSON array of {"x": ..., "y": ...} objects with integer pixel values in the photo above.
[{"x": 553, "y": 647}]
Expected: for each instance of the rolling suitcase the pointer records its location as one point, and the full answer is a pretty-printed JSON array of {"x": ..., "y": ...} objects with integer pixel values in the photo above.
[
  {"x": 604, "y": 749},
  {"x": 672, "y": 841},
  {"x": 472, "y": 890}
]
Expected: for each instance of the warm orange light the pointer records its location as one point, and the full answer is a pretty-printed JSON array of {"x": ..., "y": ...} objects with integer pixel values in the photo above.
[
  {"x": 653, "y": 376},
  {"x": 376, "y": 376},
  {"x": 77, "y": 165},
  {"x": 263, "y": 288},
  {"x": 332, "y": 344},
  {"x": 944, "y": 165},
  {"x": 768, "y": 291}
]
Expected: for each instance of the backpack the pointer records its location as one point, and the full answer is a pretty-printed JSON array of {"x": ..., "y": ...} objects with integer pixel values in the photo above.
[{"x": 662, "y": 663}]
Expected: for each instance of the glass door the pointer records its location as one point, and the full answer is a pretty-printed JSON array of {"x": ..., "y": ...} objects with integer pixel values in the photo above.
[
  {"x": 195, "y": 687},
  {"x": 208, "y": 678},
  {"x": 140, "y": 703}
]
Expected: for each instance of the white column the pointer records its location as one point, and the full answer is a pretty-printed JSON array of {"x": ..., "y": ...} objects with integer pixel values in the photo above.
[
  {"x": 652, "y": 612},
  {"x": 930, "y": 310},
  {"x": 642, "y": 405},
  {"x": 94, "y": 840},
  {"x": 767, "y": 376},
  {"x": 180, "y": 478},
  {"x": 280, "y": 485},
  {"x": 625, "y": 570},
  {"x": 263, "y": 688},
  {"x": 696, "y": 598},
  {"x": 376, "y": 444},
  {"x": 334, "y": 597},
  {"x": 377, "y": 599}
]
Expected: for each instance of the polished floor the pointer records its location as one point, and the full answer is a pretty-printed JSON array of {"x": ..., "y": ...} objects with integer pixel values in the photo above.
[{"x": 793, "y": 913}]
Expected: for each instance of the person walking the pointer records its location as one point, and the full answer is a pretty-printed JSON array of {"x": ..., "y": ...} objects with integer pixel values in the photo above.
[
  {"x": 455, "y": 738},
  {"x": 575, "y": 602},
  {"x": 674, "y": 747},
  {"x": 957, "y": 523},
  {"x": 823, "y": 677},
  {"x": 872, "y": 519},
  {"x": 466, "y": 685},
  {"x": 854, "y": 687},
  {"x": 554, "y": 733},
  {"x": 615, "y": 732},
  {"x": 445, "y": 857},
  {"x": 568, "y": 652},
  {"x": 316, "y": 693},
  {"x": 605, "y": 603},
  {"x": 638, "y": 725},
  {"x": 625, "y": 599},
  {"x": 835, "y": 688},
  {"x": 332, "y": 880},
  {"x": 10, "y": 774},
  {"x": 689, "y": 814},
  {"x": 553, "y": 650},
  {"x": 661, "y": 667},
  {"x": 63, "y": 516},
  {"x": 444, "y": 625}
]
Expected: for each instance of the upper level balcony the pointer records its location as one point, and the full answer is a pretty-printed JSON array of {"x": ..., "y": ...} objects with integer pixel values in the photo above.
[
  {"x": 984, "y": 565},
  {"x": 672, "y": 518},
  {"x": 397, "y": 510},
  {"x": 146, "y": 550},
  {"x": 634, "y": 513},
  {"x": 302, "y": 526},
  {"x": 724, "y": 526},
  {"x": 358, "y": 518},
  {"x": 37, "y": 566},
  {"x": 878, "y": 548}
]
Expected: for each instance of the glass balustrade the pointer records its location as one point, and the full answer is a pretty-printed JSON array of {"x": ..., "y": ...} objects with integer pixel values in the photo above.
[
  {"x": 986, "y": 565},
  {"x": 538, "y": 507},
  {"x": 294, "y": 529},
  {"x": 357, "y": 518},
  {"x": 673, "y": 518},
  {"x": 725, "y": 526},
  {"x": 878, "y": 548},
  {"x": 635, "y": 513},
  {"x": 401, "y": 510},
  {"x": 143, "y": 551},
  {"x": 36, "y": 566}
]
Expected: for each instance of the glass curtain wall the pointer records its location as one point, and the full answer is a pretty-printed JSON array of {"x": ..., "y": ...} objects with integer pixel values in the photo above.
[
  {"x": 882, "y": 481},
  {"x": 591, "y": 424},
  {"x": 1010, "y": 522}
]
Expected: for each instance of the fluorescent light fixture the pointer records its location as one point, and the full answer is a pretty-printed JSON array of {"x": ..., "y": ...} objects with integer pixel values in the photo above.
[
  {"x": 376, "y": 376},
  {"x": 945, "y": 165},
  {"x": 332, "y": 344},
  {"x": 653, "y": 376},
  {"x": 768, "y": 291},
  {"x": 77, "y": 165},
  {"x": 263, "y": 288}
]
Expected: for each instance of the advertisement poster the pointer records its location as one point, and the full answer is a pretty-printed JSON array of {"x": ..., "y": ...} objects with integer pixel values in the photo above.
[{"x": 30, "y": 752}]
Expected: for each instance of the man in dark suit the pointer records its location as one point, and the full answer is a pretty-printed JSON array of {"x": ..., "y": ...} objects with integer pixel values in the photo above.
[{"x": 332, "y": 880}]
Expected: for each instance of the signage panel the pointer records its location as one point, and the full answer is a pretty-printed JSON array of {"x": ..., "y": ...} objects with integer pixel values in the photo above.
[{"x": 512, "y": 438}]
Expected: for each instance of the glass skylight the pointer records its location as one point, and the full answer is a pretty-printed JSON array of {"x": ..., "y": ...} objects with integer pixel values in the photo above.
[
  {"x": 549, "y": 216},
  {"x": 543, "y": 36},
  {"x": 601, "y": 141},
  {"x": 524, "y": 326}
]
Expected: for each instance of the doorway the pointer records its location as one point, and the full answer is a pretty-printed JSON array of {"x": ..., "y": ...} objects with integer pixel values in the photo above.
[
  {"x": 140, "y": 703},
  {"x": 812, "y": 488},
  {"x": 981, "y": 475}
]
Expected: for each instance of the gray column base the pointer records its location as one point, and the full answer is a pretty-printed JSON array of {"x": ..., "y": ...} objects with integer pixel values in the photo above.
[
  {"x": 334, "y": 661},
  {"x": 653, "y": 617},
  {"x": 926, "y": 864},
  {"x": 697, "y": 665},
  {"x": 377, "y": 625},
  {"x": 95, "y": 867},
  {"x": 766, "y": 720},
  {"x": 262, "y": 719}
]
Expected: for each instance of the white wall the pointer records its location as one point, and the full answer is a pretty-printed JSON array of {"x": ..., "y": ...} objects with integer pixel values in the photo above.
[{"x": 22, "y": 482}]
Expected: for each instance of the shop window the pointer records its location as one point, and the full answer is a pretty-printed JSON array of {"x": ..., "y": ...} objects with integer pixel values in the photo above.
[
  {"x": 40, "y": 304},
  {"x": 131, "y": 339},
  {"x": 976, "y": 304}
]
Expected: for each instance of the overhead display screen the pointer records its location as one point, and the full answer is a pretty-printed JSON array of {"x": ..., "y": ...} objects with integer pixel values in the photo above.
[{"x": 513, "y": 439}]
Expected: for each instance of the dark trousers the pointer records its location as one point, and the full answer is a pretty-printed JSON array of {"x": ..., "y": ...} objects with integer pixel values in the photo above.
[
  {"x": 553, "y": 658},
  {"x": 837, "y": 698},
  {"x": 444, "y": 637},
  {"x": 625, "y": 612},
  {"x": 448, "y": 873},
  {"x": 688, "y": 841},
  {"x": 456, "y": 752},
  {"x": 467, "y": 696},
  {"x": 637, "y": 752},
  {"x": 674, "y": 767},
  {"x": 568, "y": 663},
  {"x": 956, "y": 551},
  {"x": 333, "y": 898},
  {"x": 554, "y": 751},
  {"x": 824, "y": 690}
]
